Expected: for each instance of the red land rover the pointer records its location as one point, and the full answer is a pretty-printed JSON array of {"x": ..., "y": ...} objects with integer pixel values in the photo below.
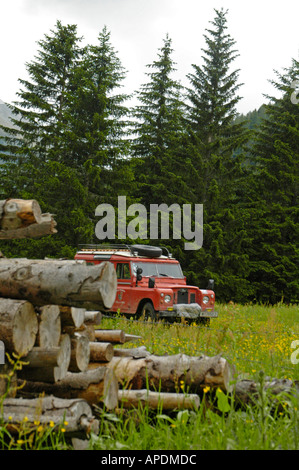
[{"x": 150, "y": 283}]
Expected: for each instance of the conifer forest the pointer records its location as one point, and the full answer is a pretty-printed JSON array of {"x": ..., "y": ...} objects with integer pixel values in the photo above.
[{"x": 76, "y": 141}]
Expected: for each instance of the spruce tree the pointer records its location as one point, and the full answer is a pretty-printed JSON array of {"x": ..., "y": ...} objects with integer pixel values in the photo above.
[
  {"x": 274, "y": 193},
  {"x": 159, "y": 126},
  {"x": 68, "y": 142},
  {"x": 215, "y": 146},
  {"x": 98, "y": 117}
]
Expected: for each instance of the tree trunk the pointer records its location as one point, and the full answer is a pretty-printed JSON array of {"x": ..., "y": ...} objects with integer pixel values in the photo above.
[
  {"x": 76, "y": 413},
  {"x": 51, "y": 373},
  {"x": 80, "y": 353},
  {"x": 101, "y": 352},
  {"x": 42, "y": 357},
  {"x": 93, "y": 318},
  {"x": 72, "y": 316},
  {"x": 58, "y": 282},
  {"x": 16, "y": 213},
  {"x": 170, "y": 373},
  {"x": 18, "y": 325},
  {"x": 133, "y": 352},
  {"x": 96, "y": 386},
  {"x": 157, "y": 400},
  {"x": 247, "y": 391},
  {"x": 23, "y": 219},
  {"x": 49, "y": 330},
  {"x": 110, "y": 336}
]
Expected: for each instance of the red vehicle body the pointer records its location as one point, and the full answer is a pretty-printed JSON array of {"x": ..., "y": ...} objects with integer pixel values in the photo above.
[{"x": 151, "y": 283}]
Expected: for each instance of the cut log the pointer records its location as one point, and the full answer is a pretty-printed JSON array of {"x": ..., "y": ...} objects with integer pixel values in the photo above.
[
  {"x": 95, "y": 386},
  {"x": 85, "y": 330},
  {"x": 76, "y": 413},
  {"x": 247, "y": 391},
  {"x": 155, "y": 400},
  {"x": 131, "y": 338},
  {"x": 23, "y": 219},
  {"x": 93, "y": 317},
  {"x": 80, "y": 353},
  {"x": 49, "y": 330},
  {"x": 46, "y": 227},
  {"x": 101, "y": 352},
  {"x": 42, "y": 357},
  {"x": 72, "y": 316},
  {"x": 168, "y": 373},
  {"x": 132, "y": 352},
  {"x": 52, "y": 373},
  {"x": 58, "y": 282},
  {"x": 18, "y": 325},
  {"x": 18, "y": 213},
  {"x": 110, "y": 336}
]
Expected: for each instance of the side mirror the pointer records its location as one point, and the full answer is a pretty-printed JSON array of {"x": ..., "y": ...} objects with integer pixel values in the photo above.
[
  {"x": 138, "y": 277},
  {"x": 211, "y": 284}
]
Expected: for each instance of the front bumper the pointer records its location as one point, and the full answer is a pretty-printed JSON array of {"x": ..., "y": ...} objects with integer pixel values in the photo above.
[{"x": 188, "y": 311}]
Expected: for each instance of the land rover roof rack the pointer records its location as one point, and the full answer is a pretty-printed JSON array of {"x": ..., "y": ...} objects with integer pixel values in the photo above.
[
  {"x": 135, "y": 250},
  {"x": 104, "y": 246}
]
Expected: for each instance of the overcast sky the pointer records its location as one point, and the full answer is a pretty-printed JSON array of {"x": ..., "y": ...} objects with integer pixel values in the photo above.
[{"x": 265, "y": 31}]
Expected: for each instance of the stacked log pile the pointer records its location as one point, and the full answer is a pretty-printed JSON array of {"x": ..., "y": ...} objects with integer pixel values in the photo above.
[
  {"x": 24, "y": 219},
  {"x": 50, "y": 318}
]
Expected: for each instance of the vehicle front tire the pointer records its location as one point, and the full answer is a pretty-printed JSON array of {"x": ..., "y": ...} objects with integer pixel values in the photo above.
[{"x": 148, "y": 312}]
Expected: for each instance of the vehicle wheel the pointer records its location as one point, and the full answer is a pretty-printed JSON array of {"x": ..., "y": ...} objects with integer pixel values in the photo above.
[
  {"x": 147, "y": 250},
  {"x": 148, "y": 312},
  {"x": 204, "y": 321}
]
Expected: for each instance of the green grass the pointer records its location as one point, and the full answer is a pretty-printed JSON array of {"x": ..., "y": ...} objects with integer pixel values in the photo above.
[{"x": 256, "y": 339}]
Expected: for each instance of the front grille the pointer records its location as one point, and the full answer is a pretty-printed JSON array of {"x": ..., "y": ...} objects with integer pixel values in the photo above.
[{"x": 183, "y": 296}]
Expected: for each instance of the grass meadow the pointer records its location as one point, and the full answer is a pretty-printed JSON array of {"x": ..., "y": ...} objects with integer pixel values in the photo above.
[{"x": 258, "y": 340}]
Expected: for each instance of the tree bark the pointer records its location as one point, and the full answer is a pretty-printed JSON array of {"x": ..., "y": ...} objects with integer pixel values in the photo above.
[
  {"x": 170, "y": 373},
  {"x": 23, "y": 219},
  {"x": 80, "y": 353},
  {"x": 16, "y": 213},
  {"x": 42, "y": 357},
  {"x": 93, "y": 317},
  {"x": 101, "y": 352},
  {"x": 115, "y": 336},
  {"x": 96, "y": 386},
  {"x": 110, "y": 336},
  {"x": 72, "y": 316},
  {"x": 76, "y": 413},
  {"x": 156, "y": 400},
  {"x": 247, "y": 391},
  {"x": 18, "y": 325},
  {"x": 49, "y": 330},
  {"x": 132, "y": 352},
  {"x": 51, "y": 373},
  {"x": 58, "y": 282}
]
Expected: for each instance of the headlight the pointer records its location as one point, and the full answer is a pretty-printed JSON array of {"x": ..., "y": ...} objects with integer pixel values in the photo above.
[
  {"x": 206, "y": 299},
  {"x": 167, "y": 298}
]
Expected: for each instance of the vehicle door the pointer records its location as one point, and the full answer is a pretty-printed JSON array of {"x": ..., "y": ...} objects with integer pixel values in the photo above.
[{"x": 124, "y": 288}]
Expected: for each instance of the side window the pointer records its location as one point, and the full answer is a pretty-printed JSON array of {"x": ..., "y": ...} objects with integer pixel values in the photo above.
[
  {"x": 123, "y": 271},
  {"x": 126, "y": 273}
]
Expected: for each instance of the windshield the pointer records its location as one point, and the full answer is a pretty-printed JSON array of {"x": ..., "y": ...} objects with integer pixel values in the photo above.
[{"x": 159, "y": 269}]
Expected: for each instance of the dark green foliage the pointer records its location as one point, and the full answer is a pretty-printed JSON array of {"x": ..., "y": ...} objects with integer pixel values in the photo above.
[
  {"x": 275, "y": 223},
  {"x": 75, "y": 144},
  {"x": 216, "y": 139}
]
